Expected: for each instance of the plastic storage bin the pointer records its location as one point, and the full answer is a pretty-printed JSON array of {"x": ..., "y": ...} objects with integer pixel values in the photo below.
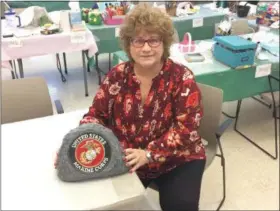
[{"x": 234, "y": 51}]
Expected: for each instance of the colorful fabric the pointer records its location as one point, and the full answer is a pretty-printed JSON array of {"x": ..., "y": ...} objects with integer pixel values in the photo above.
[{"x": 166, "y": 124}]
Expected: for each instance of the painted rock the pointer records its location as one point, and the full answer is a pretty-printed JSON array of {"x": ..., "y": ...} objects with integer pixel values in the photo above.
[{"x": 90, "y": 151}]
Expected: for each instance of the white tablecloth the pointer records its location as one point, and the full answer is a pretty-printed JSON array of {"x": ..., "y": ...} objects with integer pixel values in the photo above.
[
  {"x": 38, "y": 45},
  {"x": 29, "y": 179}
]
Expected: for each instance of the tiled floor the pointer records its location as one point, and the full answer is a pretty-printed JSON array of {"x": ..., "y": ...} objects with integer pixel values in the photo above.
[{"x": 252, "y": 178}]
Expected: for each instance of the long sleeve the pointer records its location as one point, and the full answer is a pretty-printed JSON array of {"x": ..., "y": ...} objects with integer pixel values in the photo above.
[
  {"x": 181, "y": 141},
  {"x": 100, "y": 110}
]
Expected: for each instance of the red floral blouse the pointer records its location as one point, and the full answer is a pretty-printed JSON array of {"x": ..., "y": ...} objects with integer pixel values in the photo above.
[{"x": 167, "y": 123}]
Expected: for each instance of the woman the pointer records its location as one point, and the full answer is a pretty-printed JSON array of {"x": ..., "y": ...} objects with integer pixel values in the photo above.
[{"x": 153, "y": 106}]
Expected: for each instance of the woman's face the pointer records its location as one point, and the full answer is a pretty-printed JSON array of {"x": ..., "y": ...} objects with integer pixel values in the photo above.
[{"x": 146, "y": 49}]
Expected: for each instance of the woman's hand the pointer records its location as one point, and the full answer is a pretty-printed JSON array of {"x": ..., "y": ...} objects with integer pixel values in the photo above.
[{"x": 135, "y": 158}]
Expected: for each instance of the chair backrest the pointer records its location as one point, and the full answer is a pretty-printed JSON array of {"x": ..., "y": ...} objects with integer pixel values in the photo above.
[
  {"x": 212, "y": 100},
  {"x": 24, "y": 99}
]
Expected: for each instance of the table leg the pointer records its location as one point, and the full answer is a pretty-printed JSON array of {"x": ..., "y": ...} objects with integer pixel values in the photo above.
[
  {"x": 88, "y": 67},
  {"x": 262, "y": 102},
  {"x": 12, "y": 63},
  {"x": 20, "y": 67},
  {"x": 109, "y": 62},
  {"x": 15, "y": 69},
  {"x": 273, "y": 156},
  {"x": 12, "y": 71},
  {"x": 65, "y": 64},
  {"x": 270, "y": 77},
  {"x": 274, "y": 108},
  {"x": 13, "y": 75},
  {"x": 96, "y": 60},
  {"x": 58, "y": 64},
  {"x": 85, "y": 72},
  {"x": 98, "y": 70}
]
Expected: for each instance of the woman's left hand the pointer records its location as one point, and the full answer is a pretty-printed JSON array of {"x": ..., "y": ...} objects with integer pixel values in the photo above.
[{"x": 135, "y": 158}]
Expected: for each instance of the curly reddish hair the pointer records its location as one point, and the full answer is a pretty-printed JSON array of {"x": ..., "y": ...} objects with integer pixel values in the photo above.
[{"x": 145, "y": 17}]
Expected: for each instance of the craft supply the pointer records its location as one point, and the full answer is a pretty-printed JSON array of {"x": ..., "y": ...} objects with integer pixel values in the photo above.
[
  {"x": 94, "y": 18},
  {"x": 194, "y": 57},
  {"x": 187, "y": 45},
  {"x": 12, "y": 19},
  {"x": 76, "y": 17},
  {"x": 267, "y": 13},
  {"x": 234, "y": 51},
  {"x": 64, "y": 21}
]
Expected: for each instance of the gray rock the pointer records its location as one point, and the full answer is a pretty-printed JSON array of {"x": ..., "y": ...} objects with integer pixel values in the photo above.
[{"x": 90, "y": 151}]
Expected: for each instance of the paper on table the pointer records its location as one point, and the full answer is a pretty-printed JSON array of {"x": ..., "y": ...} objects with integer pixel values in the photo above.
[
  {"x": 205, "y": 45},
  {"x": 197, "y": 22},
  {"x": 272, "y": 48},
  {"x": 210, "y": 5},
  {"x": 26, "y": 32},
  {"x": 263, "y": 56},
  {"x": 264, "y": 37},
  {"x": 263, "y": 70},
  {"x": 78, "y": 37},
  {"x": 117, "y": 32},
  {"x": 275, "y": 25},
  {"x": 23, "y": 33}
]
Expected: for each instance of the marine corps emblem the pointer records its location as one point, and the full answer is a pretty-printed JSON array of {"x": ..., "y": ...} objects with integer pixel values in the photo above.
[{"x": 90, "y": 153}]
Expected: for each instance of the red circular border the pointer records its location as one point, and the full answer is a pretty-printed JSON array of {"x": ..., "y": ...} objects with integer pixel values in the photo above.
[{"x": 81, "y": 148}]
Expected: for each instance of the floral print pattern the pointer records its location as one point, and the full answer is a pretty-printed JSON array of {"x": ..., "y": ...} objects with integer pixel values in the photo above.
[{"x": 166, "y": 124}]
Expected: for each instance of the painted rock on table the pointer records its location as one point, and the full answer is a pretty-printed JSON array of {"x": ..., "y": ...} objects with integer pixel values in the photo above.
[{"x": 90, "y": 151}]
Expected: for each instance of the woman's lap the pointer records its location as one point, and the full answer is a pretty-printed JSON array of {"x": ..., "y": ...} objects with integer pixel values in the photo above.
[{"x": 179, "y": 189}]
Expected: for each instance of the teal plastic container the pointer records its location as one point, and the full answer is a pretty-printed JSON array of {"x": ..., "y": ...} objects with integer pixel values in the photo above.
[{"x": 234, "y": 51}]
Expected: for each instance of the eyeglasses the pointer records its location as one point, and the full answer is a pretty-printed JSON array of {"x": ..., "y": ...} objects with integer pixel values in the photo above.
[{"x": 140, "y": 42}]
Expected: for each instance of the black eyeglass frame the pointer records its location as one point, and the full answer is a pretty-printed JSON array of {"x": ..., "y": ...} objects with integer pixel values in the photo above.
[{"x": 149, "y": 41}]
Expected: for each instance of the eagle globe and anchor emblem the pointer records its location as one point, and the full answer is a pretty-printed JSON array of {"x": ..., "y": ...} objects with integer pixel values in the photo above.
[
  {"x": 90, "y": 151},
  {"x": 90, "y": 154},
  {"x": 88, "y": 157}
]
